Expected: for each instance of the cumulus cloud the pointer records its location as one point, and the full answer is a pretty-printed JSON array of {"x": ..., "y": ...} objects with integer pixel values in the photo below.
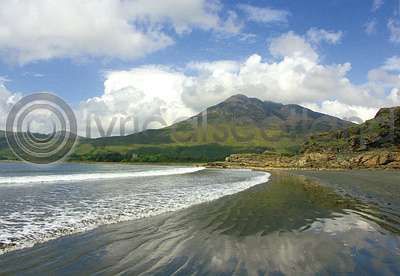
[
  {"x": 383, "y": 78},
  {"x": 394, "y": 29},
  {"x": 392, "y": 64},
  {"x": 292, "y": 45},
  {"x": 387, "y": 78},
  {"x": 44, "y": 29},
  {"x": 264, "y": 14},
  {"x": 142, "y": 98},
  {"x": 295, "y": 74},
  {"x": 353, "y": 113},
  {"x": 292, "y": 79},
  {"x": 316, "y": 36}
]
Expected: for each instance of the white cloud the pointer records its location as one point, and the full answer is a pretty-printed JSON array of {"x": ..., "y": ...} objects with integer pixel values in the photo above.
[
  {"x": 292, "y": 79},
  {"x": 392, "y": 64},
  {"x": 292, "y": 45},
  {"x": 377, "y": 4},
  {"x": 264, "y": 14},
  {"x": 370, "y": 27},
  {"x": 394, "y": 95},
  {"x": 144, "y": 94},
  {"x": 294, "y": 75},
  {"x": 7, "y": 100},
  {"x": 394, "y": 28},
  {"x": 348, "y": 112},
  {"x": 317, "y": 36},
  {"x": 384, "y": 78},
  {"x": 44, "y": 29},
  {"x": 250, "y": 38},
  {"x": 232, "y": 24},
  {"x": 183, "y": 15},
  {"x": 4, "y": 79}
]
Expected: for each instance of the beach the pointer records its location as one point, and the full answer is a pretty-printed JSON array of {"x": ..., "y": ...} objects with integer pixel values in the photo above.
[{"x": 292, "y": 224}]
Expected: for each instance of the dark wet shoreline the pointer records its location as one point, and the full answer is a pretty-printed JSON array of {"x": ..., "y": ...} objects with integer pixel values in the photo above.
[
  {"x": 376, "y": 186},
  {"x": 289, "y": 225}
]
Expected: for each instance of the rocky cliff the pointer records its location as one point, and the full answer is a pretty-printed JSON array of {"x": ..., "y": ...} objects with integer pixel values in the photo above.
[{"x": 365, "y": 160}]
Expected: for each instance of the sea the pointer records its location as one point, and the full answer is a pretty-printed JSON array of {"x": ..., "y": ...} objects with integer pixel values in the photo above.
[{"x": 38, "y": 204}]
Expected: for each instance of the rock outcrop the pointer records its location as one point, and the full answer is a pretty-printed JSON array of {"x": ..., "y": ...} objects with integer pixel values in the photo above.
[{"x": 366, "y": 160}]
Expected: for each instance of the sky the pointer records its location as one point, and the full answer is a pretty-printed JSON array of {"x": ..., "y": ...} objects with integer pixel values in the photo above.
[{"x": 174, "y": 58}]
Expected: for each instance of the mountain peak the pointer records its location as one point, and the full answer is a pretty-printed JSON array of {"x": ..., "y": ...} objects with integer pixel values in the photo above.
[
  {"x": 242, "y": 110},
  {"x": 237, "y": 97}
]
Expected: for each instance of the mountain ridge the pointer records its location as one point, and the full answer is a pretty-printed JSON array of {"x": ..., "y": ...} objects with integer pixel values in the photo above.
[
  {"x": 239, "y": 110},
  {"x": 238, "y": 124}
]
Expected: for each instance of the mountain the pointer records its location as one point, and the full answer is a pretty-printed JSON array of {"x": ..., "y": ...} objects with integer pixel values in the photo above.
[
  {"x": 289, "y": 119},
  {"x": 239, "y": 124},
  {"x": 260, "y": 133},
  {"x": 260, "y": 122},
  {"x": 381, "y": 132}
]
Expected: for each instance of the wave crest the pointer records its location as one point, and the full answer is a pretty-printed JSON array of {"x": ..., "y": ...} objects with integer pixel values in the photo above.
[{"x": 94, "y": 176}]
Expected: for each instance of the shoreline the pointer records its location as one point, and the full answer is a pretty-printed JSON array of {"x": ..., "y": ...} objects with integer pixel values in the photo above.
[
  {"x": 215, "y": 165},
  {"x": 226, "y": 166},
  {"x": 197, "y": 164},
  {"x": 272, "y": 171},
  {"x": 259, "y": 220},
  {"x": 9, "y": 248}
]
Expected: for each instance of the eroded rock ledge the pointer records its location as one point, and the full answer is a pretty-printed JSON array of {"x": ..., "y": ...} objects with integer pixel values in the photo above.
[{"x": 381, "y": 159}]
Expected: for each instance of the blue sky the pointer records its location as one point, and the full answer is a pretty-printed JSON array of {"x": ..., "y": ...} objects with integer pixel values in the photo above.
[{"x": 54, "y": 53}]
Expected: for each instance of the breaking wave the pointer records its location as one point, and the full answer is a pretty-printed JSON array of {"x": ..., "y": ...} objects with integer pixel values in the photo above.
[
  {"x": 93, "y": 176},
  {"x": 48, "y": 222}
]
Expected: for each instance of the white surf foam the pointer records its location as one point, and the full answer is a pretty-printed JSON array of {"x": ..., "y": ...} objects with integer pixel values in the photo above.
[
  {"x": 65, "y": 219},
  {"x": 94, "y": 176}
]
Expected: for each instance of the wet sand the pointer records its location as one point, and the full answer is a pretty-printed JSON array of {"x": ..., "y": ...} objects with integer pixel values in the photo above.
[
  {"x": 375, "y": 186},
  {"x": 291, "y": 225}
]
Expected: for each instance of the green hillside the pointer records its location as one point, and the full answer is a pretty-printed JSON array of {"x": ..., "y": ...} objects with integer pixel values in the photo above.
[
  {"x": 381, "y": 132},
  {"x": 238, "y": 125}
]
